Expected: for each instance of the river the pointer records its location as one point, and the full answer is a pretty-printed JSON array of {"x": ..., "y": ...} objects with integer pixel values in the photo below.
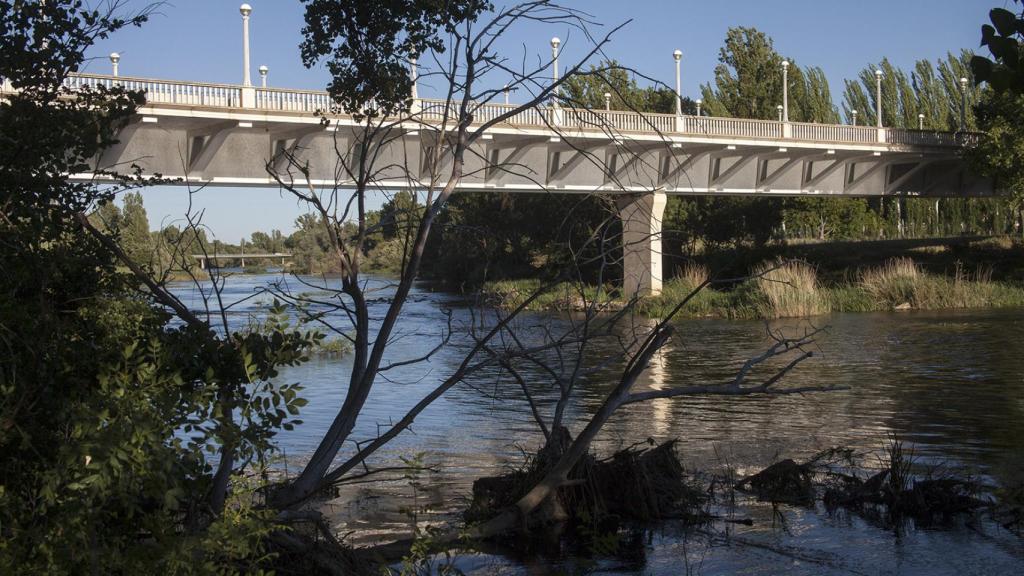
[{"x": 947, "y": 383}]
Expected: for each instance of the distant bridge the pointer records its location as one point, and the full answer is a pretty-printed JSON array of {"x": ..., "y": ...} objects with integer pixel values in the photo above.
[{"x": 206, "y": 259}]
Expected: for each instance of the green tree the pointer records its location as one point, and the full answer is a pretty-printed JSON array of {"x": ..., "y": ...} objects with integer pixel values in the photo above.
[
  {"x": 587, "y": 90},
  {"x": 748, "y": 79},
  {"x": 1000, "y": 151},
  {"x": 121, "y": 430},
  {"x": 134, "y": 229}
]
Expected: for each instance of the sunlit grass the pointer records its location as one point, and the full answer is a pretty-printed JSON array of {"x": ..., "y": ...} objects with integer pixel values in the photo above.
[{"x": 789, "y": 289}]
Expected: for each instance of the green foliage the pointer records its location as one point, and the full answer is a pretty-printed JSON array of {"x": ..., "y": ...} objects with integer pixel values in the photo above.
[
  {"x": 367, "y": 45},
  {"x": 1005, "y": 71},
  {"x": 113, "y": 418},
  {"x": 491, "y": 236},
  {"x": 933, "y": 90},
  {"x": 587, "y": 90},
  {"x": 1000, "y": 153}
]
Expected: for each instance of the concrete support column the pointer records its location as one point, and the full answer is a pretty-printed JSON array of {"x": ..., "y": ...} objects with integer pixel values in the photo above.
[{"x": 641, "y": 216}]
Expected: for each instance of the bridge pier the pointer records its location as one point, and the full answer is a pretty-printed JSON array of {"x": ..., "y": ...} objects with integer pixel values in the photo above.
[{"x": 641, "y": 216}]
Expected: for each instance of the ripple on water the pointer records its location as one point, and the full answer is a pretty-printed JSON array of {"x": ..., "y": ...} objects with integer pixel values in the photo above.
[{"x": 947, "y": 382}]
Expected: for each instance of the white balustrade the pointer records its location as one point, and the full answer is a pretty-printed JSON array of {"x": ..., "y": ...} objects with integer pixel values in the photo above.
[
  {"x": 924, "y": 138},
  {"x": 165, "y": 91},
  {"x": 433, "y": 111},
  {"x": 732, "y": 127},
  {"x": 834, "y": 133},
  {"x": 292, "y": 100}
]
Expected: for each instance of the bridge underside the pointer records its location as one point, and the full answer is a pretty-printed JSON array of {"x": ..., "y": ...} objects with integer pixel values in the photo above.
[
  {"x": 239, "y": 149},
  {"x": 236, "y": 151}
]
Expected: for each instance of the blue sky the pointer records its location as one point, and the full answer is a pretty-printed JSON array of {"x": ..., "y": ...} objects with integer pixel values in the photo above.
[{"x": 201, "y": 40}]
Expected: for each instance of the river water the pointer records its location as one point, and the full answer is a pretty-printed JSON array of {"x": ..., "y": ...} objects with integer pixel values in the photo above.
[{"x": 948, "y": 384}]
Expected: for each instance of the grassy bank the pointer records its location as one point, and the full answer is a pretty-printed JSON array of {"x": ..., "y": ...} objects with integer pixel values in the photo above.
[{"x": 910, "y": 277}]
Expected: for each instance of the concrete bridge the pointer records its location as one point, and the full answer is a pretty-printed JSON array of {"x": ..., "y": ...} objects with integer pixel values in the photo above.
[
  {"x": 206, "y": 260},
  {"x": 226, "y": 134}
]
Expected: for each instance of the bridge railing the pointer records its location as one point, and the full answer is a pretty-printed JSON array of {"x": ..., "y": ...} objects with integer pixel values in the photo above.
[
  {"x": 165, "y": 91},
  {"x": 732, "y": 127},
  {"x": 311, "y": 101},
  {"x": 834, "y": 133},
  {"x": 928, "y": 138},
  {"x": 292, "y": 100}
]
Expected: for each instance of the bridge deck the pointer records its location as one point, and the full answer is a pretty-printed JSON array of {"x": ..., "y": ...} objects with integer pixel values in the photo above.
[{"x": 229, "y": 96}]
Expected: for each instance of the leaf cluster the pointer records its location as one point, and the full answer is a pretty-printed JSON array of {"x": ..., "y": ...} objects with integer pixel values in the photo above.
[
  {"x": 1005, "y": 70},
  {"x": 367, "y": 45}
]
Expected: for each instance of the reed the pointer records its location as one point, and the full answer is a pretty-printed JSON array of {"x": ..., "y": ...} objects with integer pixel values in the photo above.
[{"x": 789, "y": 289}]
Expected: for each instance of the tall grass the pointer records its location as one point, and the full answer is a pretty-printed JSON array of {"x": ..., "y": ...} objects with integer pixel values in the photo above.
[
  {"x": 789, "y": 289},
  {"x": 689, "y": 277},
  {"x": 897, "y": 282},
  {"x": 900, "y": 282}
]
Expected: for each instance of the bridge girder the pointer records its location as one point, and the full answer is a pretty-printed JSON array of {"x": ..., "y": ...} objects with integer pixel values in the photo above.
[{"x": 234, "y": 149}]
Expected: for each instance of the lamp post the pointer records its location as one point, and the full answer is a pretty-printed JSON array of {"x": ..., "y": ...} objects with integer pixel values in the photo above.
[
  {"x": 878, "y": 97},
  {"x": 506, "y": 91},
  {"x": 263, "y": 76},
  {"x": 607, "y": 101},
  {"x": 699, "y": 103},
  {"x": 781, "y": 112},
  {"x": 555, "y": 42},
  {"x": 785, "y": 91},
  {"x": 854, "y": 114},
  {"x": 114, "y": 59},
  {"x": 245, "y": 10},
  {"x": 414, "y": 75},
  {"x": 678, "y": 56},
  {"x": 920, "y": 121},
  {"x": 963, "y": 104}
]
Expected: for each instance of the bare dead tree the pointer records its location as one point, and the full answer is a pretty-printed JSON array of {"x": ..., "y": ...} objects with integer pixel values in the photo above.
[{"x": 369, "y": 148}]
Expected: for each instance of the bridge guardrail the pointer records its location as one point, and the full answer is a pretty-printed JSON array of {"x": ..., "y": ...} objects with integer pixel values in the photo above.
[
  {"x": 166, "y": 91},
  {"x": 834, "y": 133},
  {"x": 310, "y": 101},
  {"x": 292, "y": 100}
]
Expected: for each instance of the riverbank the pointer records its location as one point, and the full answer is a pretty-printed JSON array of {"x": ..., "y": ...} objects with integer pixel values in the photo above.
[{"x": 813, "y": 279}]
